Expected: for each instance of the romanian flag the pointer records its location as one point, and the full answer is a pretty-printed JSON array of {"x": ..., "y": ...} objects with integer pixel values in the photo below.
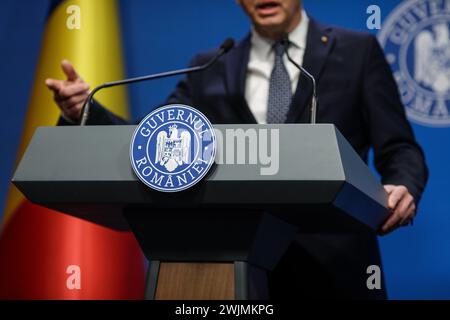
[{"x": 46, "y": 254}]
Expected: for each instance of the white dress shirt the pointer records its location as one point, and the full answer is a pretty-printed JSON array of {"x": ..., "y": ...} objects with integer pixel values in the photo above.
[{"x": 260, "y": 65}]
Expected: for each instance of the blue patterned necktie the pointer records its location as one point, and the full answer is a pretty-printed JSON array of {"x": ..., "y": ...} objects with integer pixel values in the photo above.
[{"x": 280, "y": 91}]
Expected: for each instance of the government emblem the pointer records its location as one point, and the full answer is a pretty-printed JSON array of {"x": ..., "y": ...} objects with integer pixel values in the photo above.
[
  {"x": 416, "y": 40},
  {"x": 173, "y": 148}
]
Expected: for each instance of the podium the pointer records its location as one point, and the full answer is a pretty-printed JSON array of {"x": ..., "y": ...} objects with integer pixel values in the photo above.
[{"x": 219, "y": 239}]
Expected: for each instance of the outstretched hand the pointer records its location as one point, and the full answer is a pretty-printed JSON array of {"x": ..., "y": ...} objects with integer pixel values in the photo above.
[{"x": 70, "y": 94}]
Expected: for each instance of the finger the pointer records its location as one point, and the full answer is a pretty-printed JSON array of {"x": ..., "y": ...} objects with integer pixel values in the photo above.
[
  {"x": 403, "y": 205},
  {"x": 389, "y": 188},
  {"x": 70, "y": 90},
  {"x": 410, "y": 212},
  {"x": 396, "y": 196},
  {"x": 69, "y": 71},
  {"x": 404, "y": 212},
  {"x": 74, "y": 113},
  {"x": 73, "y": 101},
  {"x": 54, "y": 84},
  {"x": 396, "y": 216},
  {"x": 391, "y": 223}
]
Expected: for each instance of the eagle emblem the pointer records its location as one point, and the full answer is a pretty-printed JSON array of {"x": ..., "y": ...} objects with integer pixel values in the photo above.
[
  {"x": 432, "y": 58},
  {"x": 173, "y": 149},
  {"x": 416, "y": 41}
]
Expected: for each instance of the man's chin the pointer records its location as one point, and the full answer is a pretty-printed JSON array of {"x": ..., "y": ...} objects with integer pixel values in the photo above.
[
  {"x": 269, "y": 22},
  {"x": 270, "y": 27}
]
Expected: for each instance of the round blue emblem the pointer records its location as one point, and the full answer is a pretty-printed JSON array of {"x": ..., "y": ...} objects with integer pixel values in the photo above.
[
  {"x": 173, "y": 148},
  {"x": 416, "y": 41}
]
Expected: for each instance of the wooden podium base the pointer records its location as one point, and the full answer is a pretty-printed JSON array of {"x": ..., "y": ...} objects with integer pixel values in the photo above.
[{"x": 205, "y": 281}]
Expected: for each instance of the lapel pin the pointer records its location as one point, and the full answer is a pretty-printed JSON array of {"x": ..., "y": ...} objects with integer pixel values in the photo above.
[{"x": 324, "y": 39}]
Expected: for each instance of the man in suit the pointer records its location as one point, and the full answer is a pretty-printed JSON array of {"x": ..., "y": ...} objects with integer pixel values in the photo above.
[{"x": 254, "y": 82}]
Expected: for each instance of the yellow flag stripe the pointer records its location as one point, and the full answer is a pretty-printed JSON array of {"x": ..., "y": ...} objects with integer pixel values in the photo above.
[{"x": 96, "y": 53}]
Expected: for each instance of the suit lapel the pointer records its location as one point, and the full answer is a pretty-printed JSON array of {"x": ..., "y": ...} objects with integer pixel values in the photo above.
[
  {"x": 320, "y": 41},
  {"x": 235, "y": 74}
]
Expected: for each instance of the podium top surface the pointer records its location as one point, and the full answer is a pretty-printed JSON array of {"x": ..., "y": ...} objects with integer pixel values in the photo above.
[{"x": 272, "y": 165}]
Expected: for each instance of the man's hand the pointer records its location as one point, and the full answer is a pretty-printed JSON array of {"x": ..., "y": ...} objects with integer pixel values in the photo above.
[
  {"x": 71, "y": 94},
  {"x": 403, "y": 208}
]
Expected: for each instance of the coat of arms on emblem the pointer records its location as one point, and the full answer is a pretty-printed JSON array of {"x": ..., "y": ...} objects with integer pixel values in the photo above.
[
  {"x": 174, "y": 149},
  {"x": 432, "y": 63},
  {"x": 416, "y": 41}
]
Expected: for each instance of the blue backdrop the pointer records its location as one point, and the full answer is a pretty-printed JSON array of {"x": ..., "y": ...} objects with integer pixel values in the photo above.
[{"x": 161, "y": 35}]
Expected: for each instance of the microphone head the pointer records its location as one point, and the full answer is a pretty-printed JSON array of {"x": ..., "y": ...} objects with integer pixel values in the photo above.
[{"x": 227, "y": 45}]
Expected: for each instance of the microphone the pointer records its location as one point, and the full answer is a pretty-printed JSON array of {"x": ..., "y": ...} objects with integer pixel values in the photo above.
[
  {"x": 226, "y": 46},
  {"x": 285, "y": 42}
]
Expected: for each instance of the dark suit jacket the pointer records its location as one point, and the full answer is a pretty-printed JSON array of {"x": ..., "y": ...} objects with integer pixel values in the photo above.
[{"x": 356, "y": 92}]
